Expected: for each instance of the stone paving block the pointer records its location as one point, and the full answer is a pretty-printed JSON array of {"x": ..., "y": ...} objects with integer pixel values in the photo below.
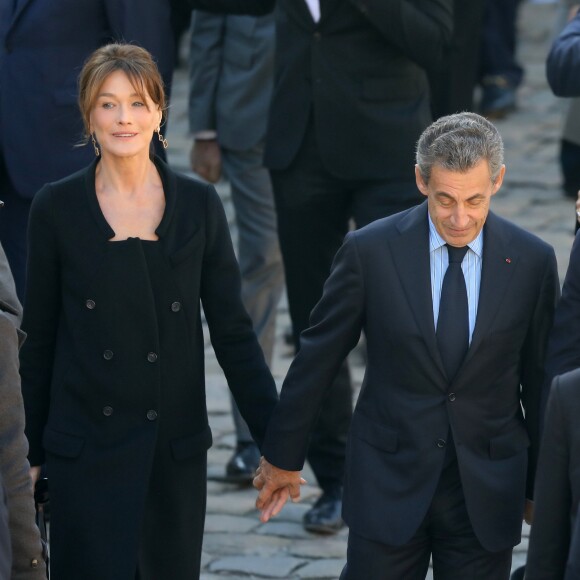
[
  {"x": 236, "y": 502},
  {"x": 320, "y": 546},
  {"x": 277, "y": 567},
  {"x": 327, "y": 568},
  {"x": 284, "y": 529},
  {"x": 250, "y": 544},
  {"x": 227, "y": 523}
]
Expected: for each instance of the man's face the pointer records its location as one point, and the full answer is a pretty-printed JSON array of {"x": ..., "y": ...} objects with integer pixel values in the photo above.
[{"x": 459, "y": 202}]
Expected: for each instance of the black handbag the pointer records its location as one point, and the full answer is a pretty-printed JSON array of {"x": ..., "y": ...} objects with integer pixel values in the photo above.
[{"x": 42, "y": 505}]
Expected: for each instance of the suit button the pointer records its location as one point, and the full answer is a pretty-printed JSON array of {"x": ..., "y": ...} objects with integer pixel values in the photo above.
[
  {"x": 90, "y": 304},
  {"x": 34, "y": 563},
  {"x": 151, "y": 415},
  {"x": 317, "y": 36},
  {"x": 176, "y": 306},
  {"x": 107, "y": 411},
  {"x": 108, "y": 354},
  {"x": 451, "y": 396},
  {"x": 441, "y": 443},
  {"x": 152, "y": 357}
]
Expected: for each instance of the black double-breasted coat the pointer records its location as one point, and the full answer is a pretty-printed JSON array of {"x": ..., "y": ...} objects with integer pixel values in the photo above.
[{"x": 113, "y": 374}]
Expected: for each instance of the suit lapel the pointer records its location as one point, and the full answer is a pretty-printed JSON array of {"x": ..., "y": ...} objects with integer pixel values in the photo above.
[
  {"x": 411, "y": 257},
  {"x": 21, "y": 6},
  {"x": 498, "y": 267},
  {"x": 326, "y": 8},
  {"x": 299, "y": 10}
]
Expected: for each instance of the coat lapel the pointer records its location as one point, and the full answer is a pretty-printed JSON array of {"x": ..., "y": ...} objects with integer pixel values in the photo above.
[
  {"x": 21, "y": 6},
  {"x": 498, "y": 267},
  {"x": 411, "y": 257}
]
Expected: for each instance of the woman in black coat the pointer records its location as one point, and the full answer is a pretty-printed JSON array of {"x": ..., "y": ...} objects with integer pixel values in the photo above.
[{"x": 121, "y": 255}]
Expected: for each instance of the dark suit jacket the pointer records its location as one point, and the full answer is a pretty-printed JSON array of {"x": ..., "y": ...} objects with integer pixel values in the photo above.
[
  {"x": 380, "y": 283},
  {"x": 42, "y": 49},
  {"x": 89, "y": 386},
  {"x": 563, "y": 64},
  {"x": 554, "y": 550},
  {"x": 359, "y": 73}
]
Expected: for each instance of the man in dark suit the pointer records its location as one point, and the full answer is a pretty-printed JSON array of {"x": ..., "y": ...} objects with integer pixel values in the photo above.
[
  {"x": 456, "y": 304},
  {"x": 350, "y": 100},
  {"x": 554, "y": 550},
  {"x": 231, "y": 77},
  {"x": 43, "y": 44}
]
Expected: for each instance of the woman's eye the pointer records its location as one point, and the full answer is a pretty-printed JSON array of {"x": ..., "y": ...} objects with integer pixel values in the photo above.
[
  {"x": 138, "y": 104},
  {"x": 107, "y": 105}
]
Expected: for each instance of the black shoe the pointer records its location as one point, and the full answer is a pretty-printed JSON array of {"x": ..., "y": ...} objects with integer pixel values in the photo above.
[
  {"x": 498, "y": 98},
  {"x": 325, "y": 515},
  {"x": 242, "y": 466}
]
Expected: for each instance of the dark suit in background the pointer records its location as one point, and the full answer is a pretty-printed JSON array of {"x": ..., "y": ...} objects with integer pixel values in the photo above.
[
  {"x": 232, "y": 70},
  {"x": 563, "y": 64},
  {"x": 350, "y": 100},
  {"x": 43, "y": 44},
  {"x": 554, "y": 550}
]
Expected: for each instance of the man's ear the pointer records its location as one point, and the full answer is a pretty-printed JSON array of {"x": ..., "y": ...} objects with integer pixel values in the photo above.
[
  {"x": 421, "y": 185},
  {"x": 498, "y": 180}
]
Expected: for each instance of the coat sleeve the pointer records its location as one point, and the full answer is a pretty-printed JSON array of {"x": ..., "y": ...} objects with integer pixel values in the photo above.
[
  {"x": 205, "y": 62},
  {"x": 421, "y": 30},
  {"x": 232, "y": 336},
  {"x": 533, "y": 361},
  {"x": 42, "y": 307},
  {"x": 563, "y": 64},
  {"x": 564, "y": 344},
  {"x": 335, "y": 327},
  {"x": 550, "y": 536},
  {"x": 7, "y": 287},
  {"x": 251, "y": 7},
  {"x": 14, "y": 468}
]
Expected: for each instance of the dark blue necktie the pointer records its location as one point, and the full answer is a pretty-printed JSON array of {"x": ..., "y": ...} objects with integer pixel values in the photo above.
[{"x": 453, "y": 320}]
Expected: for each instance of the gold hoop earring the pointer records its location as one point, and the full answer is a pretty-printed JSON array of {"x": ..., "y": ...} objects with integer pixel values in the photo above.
[
  {"x": 95, "y": 147},
  {"x": 161, "y": 138}
]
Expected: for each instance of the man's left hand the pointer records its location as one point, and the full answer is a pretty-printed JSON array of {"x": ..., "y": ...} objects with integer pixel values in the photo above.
[{"x": 529, "y": 512}]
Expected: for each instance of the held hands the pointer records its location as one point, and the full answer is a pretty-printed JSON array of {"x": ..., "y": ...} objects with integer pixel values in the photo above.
[
  {"x": 206, "y": 159},
  {"x": 34, "y": 474},
  {"x": 276, "y": 486},
  {"x": 529, "y": 512}
]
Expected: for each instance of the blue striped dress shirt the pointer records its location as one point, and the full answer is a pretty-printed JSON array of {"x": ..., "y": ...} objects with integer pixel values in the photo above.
[{"x": 471, "y": 267}]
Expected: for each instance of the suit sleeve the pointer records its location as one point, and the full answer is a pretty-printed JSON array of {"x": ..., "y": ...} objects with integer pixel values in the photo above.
[
  {"x": 205, "y": 62},
  {"x": 150, "y": 27},
  {"x": 550, "y": 536},
  {"x": 563, "y": 64},
  {"x": 232, "y": 336},
  {"x": 14, "y": 469},
  {"x": 564, "y": 345},
  {"x": 419, "y": 29},
  {"x": 533, "y": 360},
  {"x": 335, "y": 327},
  {"x": 42, "y": 306},
  {"x": 250, "y": 7}
]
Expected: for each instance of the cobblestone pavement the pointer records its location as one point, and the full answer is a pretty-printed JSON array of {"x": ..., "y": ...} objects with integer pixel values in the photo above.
[{"x": 236, "y": 544}]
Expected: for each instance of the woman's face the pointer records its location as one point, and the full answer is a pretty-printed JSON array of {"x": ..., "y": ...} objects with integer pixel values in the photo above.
[{"x": 122, "y": 122}]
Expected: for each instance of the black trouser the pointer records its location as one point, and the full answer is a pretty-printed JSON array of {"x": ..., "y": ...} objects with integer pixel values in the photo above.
[
  {"x": 445, "y": 534},
  {"x": 314, "y": 209},
  {"x": 498, "y": 48}
]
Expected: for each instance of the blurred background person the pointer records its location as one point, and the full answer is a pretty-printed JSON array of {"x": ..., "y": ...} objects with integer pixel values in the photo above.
[
  {"x": 43, "y": 44},
  {"x": 21, "y": 552},
  {"x": 350, "y": 99},
  {"x": 121, "y": 255},
  {"x": 500, "y": 73},
  {"x": 231, "y": 80}
]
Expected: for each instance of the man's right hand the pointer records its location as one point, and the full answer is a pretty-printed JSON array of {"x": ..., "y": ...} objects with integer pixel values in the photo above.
[
  {"x": 276, "y": 486},
  {"x": 206, "y": 159}
]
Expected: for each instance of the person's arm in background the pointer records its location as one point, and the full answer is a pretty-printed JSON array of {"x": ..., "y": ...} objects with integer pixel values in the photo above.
[
  {"x": 420, "y": 30},
  {"x": 563, "y": 63},
  {"x": 27, "y": 557},
  {"x": 205, "y": 62},
  {"x": 8, "y": 289}
]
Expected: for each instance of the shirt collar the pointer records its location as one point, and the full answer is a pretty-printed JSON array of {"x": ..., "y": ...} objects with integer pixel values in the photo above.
[{"x": 436, "y": 241}]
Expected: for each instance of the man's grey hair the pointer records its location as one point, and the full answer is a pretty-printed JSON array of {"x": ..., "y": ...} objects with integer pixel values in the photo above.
[{"x": 458, "y": 143}]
